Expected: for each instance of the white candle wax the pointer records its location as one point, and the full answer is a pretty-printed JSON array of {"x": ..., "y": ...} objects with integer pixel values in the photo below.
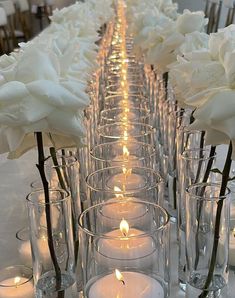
[
  {"x": 23, "y": 289},
  {"x": 128, "y": 181},
  {"x": 131, "y": 250},
  {"x": 127, "y": 208},
  {"x": 137, "y": 285},
  {"x": 121, "y": 160},
  {"x": 232, "y": 249}
]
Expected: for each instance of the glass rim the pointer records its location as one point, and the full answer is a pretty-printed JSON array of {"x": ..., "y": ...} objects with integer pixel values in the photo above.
[
  {"x": 13, "y": 267},
  {"x": 105, "y": 236},
  {"x": 144, "y": 114},
  {"x": 151, "y": 130},
  {"x": 196, "y": 150},
  {"x": 140, "y": 96},
  {"x": 66, "y": 157},
  {"x": 132, "y": 191},
  {"x": 38, "y": 190},
  {"x": 201, "y": 198},
  {"x": 92, "y": 151},
  {"x": 20, "y": 231}
]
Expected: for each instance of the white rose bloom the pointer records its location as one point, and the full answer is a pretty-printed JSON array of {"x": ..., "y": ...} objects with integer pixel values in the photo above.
[
  {"x": 38, "y": 99},
  {"x": 217, "y": 117},
  {"x": 194, "y": 41},
  {"x": 191, "y": 21}
]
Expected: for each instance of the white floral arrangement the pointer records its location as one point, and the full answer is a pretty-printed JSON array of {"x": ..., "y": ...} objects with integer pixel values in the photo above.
[
  {"x": 43, "y": 85},
  {"x": 205, "y": 80},
  {"x": 158, "y": 35}
]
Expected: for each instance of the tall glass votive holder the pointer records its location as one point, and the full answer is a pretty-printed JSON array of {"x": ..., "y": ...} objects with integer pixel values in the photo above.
[
  {"x": 128, "y": 257},
  {"x": 133, "y": 89},
  {"x": 207, "y": 245},
  {"x": 63, "y": 171},
  {"x": 123, "y": 114},
  {"x": 52, "y": 243},
  {"x": 195, "y": 167},
  {"x": 128, "y": 100},
  {"x": 128, "y": 132},
  {"x": 16, "y": 282},
  {"x": 120, "y": 182},
  {"x": 121, "y": 153}
]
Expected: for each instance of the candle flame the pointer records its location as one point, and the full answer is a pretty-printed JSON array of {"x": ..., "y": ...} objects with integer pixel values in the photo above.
[
  {"x": 124, "y": 227},
  {"x": 126, "y": 172},
  {"x": 119, "y": 276},
  {"x": 17, "y": 280},
  {"x": 126, "y": 152},
  {"x": 234, "y": 232},
  {"x": 117, "y": 189},
  {"x": 125, "y": 135}
]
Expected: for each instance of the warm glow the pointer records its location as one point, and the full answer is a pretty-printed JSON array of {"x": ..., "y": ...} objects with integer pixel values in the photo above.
[
  {"x": 126, "y": 172},
  {"x": 119, "y": 276},
  {"x": 117, "y": 189},
  {"x": 125, "y": 135},
  {"x": 234, "y": 232},
  {"x": 124, "y": 227},
  {"x": 126, "y": 152},
  {"x": 17, "y": 280}
]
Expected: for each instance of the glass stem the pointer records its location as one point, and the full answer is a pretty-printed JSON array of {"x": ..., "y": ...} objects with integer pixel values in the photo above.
[
  {"x": 41, "y": 169},
  {"x": 225, "y": 177}
]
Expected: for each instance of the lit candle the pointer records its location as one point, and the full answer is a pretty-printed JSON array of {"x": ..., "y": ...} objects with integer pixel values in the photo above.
[
  {"x": 127, "y": 180},
  {"x": 126, "y": 247},
  {"x": 232, "y": 248},
  {"x": 18, "y": 287},
  {"x": 126, "y": 207},
  {"x": 125, "y": 158},
  {"x": 126, "y": 285}
]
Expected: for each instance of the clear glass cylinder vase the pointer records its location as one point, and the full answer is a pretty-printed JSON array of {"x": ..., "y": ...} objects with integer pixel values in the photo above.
[
  {"x": 122, "y": 154},
  {"x": 207, "y": 240},
  {"x": 120, "y": 182},
  {"x": 194, "y": 167},
  {"x": 52, "y": 243},
  {"x": 125, "y": 258}
]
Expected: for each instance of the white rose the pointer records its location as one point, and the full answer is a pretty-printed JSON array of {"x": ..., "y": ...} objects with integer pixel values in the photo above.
[
  {"x": 38, "y": 99},
  {"x": 194, "y": 41},
  {"x": 217, "y": 116},
  {"x": 191, "y": 21}
]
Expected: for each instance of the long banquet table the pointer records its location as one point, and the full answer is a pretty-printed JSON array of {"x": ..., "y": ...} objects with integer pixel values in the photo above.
[{"x": 15, "y": 177}]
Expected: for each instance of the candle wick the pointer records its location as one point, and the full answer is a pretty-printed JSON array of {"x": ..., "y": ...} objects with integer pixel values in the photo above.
[{"x": 123, "y": 282}]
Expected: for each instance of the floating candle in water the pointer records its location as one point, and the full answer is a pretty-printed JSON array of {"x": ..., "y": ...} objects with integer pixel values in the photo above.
[
  {"x": 127, "y": 180},
  {"x": 126, "y": 247},
  {"x": 126, "y": 285},
  {"x": 125, "y": 207},
  {"x": 17, "y": 287}
]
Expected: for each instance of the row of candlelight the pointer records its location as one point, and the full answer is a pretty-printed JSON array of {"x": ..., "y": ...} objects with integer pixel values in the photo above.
[{"x": 111, "y": 232}]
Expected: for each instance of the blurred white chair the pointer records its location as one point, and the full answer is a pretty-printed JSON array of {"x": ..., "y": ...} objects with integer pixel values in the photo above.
[
  {"x": 213, "y": 12},
  {"x": 3, "y": 32},
  {"x": 23, "y": 10},
  {"x": 14, "y": 34},
  {"x": 230, "y": 5}
]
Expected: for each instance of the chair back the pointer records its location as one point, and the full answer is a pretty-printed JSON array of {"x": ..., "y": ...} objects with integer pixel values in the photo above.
[
  {"x": 213, "y": 12},
  {"x": 3, "y": 17},
  {"x": 230, "y": 5},
  {"x": 8, "y": 6}
]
